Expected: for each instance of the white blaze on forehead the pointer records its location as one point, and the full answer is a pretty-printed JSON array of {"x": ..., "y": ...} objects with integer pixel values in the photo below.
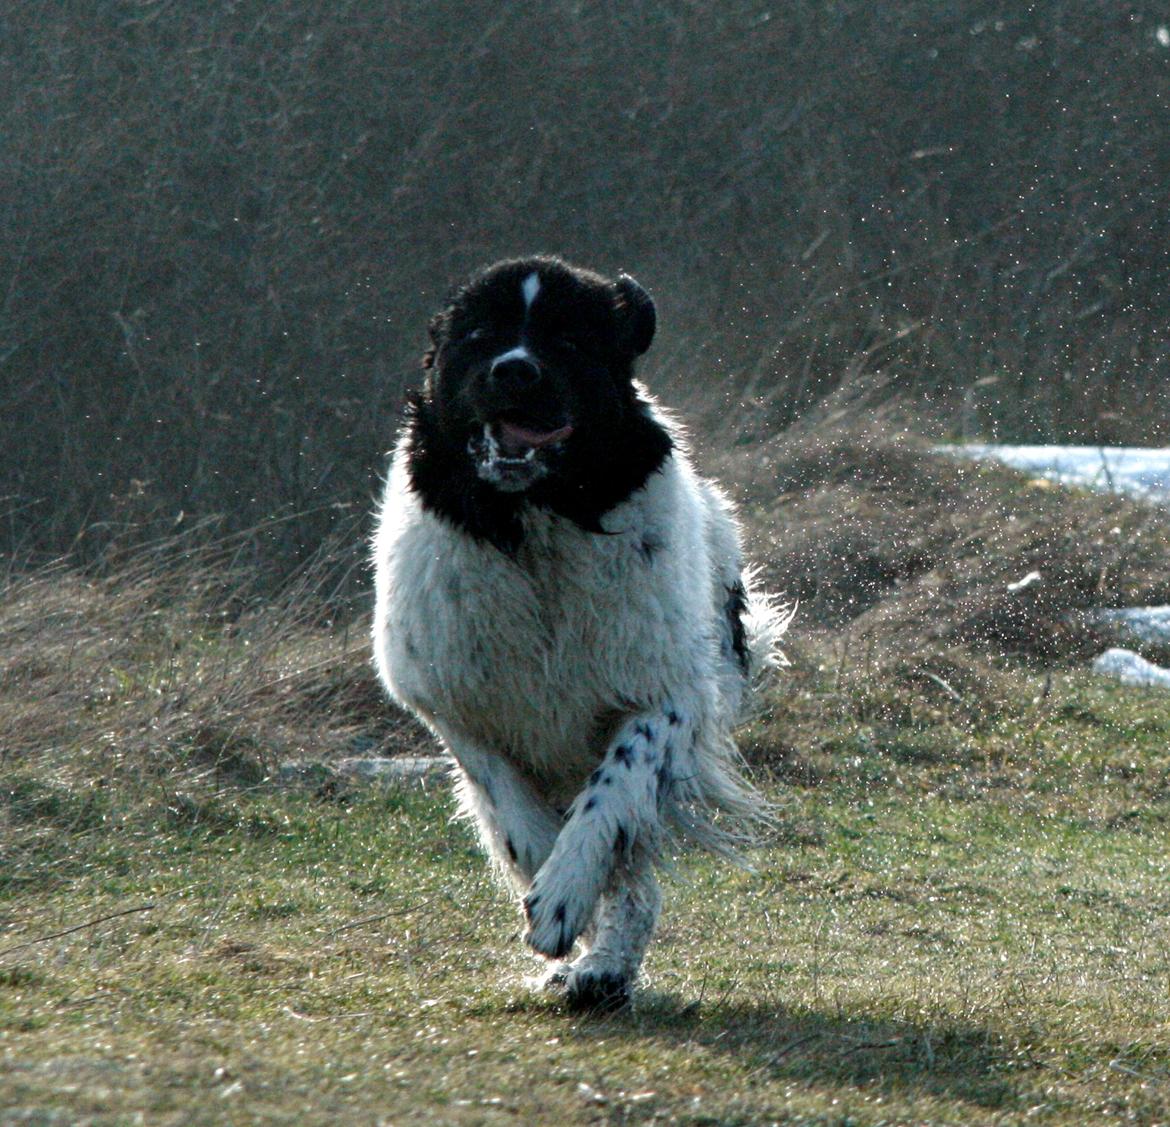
[{"x": 530, "y": 287}]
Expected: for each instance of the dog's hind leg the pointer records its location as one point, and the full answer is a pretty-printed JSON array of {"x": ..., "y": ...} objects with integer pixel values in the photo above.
[
  {"x": 614, "y": 819},
  {"x": 516, "y": 827}
]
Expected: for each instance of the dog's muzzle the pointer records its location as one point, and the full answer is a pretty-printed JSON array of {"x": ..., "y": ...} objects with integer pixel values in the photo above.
[{"x": 512, "y": 456}]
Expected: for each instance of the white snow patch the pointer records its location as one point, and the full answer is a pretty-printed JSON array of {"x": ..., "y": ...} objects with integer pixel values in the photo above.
[
  {"x": 1140, "y": 471},
  {"x": 1131, "y": 668},
  {"x": 1142, "y": 624}
]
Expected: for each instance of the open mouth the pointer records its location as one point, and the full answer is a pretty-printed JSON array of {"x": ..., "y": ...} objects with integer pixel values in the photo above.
[
  {"x": 518, "y": 441},
  {"x": 508, "y": 454}
]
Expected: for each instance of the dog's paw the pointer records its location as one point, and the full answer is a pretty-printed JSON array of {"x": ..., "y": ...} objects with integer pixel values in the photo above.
[
  {"x": 555, "y": 977},
  {"x": 554, "y": 920},
  {"x": 597, "y": 990}
]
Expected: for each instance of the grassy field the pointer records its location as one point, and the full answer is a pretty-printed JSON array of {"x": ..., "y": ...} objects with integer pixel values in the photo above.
[
  {"x": 950, "y": 927},
  {"x": 963, "y": 916}
]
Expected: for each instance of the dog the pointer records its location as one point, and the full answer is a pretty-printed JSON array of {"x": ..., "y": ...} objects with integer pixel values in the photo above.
[{"x": 562, "y": 600}]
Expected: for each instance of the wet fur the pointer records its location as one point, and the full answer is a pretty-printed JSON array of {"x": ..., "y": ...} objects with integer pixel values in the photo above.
[{"x": 583, "y": 647}]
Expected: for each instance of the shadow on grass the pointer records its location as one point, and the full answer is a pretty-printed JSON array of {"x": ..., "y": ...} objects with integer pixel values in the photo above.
[{"x": 950, "y": 1060}]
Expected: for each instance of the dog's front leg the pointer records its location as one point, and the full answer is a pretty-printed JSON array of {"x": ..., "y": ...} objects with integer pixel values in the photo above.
[
  {"x": 617, "y": 809},
  {"x": 516, "y": 826}
]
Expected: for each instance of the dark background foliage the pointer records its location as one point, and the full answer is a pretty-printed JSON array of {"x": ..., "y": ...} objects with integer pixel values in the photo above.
[{"x": 223, "y": 226}]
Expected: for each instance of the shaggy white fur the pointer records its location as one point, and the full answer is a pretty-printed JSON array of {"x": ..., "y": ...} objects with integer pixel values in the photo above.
[{"x": 587, "y": 686}]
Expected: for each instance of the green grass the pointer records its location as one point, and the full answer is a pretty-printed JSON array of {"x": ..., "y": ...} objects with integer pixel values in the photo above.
[{"x": 955, "y": 924}]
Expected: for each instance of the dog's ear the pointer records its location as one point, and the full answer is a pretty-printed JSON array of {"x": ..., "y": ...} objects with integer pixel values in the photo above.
[{"x": 637, "y": 317}]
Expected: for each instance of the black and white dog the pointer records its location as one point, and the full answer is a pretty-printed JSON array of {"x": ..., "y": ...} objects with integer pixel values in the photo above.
[{"x": 562, "y": 600}]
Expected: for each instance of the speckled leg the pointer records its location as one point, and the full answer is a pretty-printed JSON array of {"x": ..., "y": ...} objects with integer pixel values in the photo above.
[
  {"x": 517, "y": 827},
  {"x": 614, "y": 819}
]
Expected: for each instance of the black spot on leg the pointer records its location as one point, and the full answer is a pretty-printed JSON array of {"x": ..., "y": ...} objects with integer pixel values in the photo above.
[
  {"x": 665, "y": 776},
  {"x": 596, "y": 777},
  {"x": 511, "y": 850},
  {"x": 589, "y": 805},
  {"x": 623, "y": 755},
  {"x": 673, "y": 718},
  {"x": 621, "y": 842},
  {"x": 644, "y": 730}
]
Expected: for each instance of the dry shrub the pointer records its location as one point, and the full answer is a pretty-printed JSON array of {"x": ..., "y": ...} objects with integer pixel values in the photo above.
[
  {"x": 225, "y": 225},
  {"x": 913, "y": 551},
  {"x": 170, "y": 662}
]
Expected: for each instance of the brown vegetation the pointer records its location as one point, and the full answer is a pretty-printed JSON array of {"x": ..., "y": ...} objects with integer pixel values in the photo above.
[
  {"x": 224, "y": 226},
  {"x": 906, "y": 564}
]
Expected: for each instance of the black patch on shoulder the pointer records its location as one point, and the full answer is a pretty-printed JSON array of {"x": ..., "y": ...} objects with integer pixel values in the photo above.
[
  {"x": 734, "y": 610},
  {"x": 604, "y": 465}
]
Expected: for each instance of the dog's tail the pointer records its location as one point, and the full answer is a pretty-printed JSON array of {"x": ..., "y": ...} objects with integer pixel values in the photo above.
[{"x": 765, "y": 620}]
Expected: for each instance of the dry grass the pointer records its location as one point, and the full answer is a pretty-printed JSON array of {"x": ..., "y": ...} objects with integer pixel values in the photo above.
[
  {"x": 904, "y": 552},
  {"x": 167, "y": 662}
]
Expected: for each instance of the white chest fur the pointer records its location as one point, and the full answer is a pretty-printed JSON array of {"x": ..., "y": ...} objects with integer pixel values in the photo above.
[{"x": 536, "y": 656}]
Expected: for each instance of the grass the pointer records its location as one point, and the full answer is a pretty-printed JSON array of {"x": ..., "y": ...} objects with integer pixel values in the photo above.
[
  {"x": 982, "y": 936},
  {"x": 962, "y": 918}
]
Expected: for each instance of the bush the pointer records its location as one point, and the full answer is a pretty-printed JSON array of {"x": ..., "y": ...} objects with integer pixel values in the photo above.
[{"x": 225, "y": 225}]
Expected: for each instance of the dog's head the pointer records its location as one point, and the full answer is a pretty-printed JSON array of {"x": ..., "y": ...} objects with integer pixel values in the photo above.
[
  {"x": 529, "y": 399},
  {"x": 532, "y": 359}
]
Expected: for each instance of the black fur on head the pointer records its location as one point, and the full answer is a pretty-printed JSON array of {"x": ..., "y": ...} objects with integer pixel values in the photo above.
[{"x": 529, "y": 399}]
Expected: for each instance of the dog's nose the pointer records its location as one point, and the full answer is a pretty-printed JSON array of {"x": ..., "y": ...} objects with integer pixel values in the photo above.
[{"x": 515, "y": 373}]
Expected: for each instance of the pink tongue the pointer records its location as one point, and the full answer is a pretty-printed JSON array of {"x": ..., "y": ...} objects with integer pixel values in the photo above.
[{"x": 518, "y": 438}]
